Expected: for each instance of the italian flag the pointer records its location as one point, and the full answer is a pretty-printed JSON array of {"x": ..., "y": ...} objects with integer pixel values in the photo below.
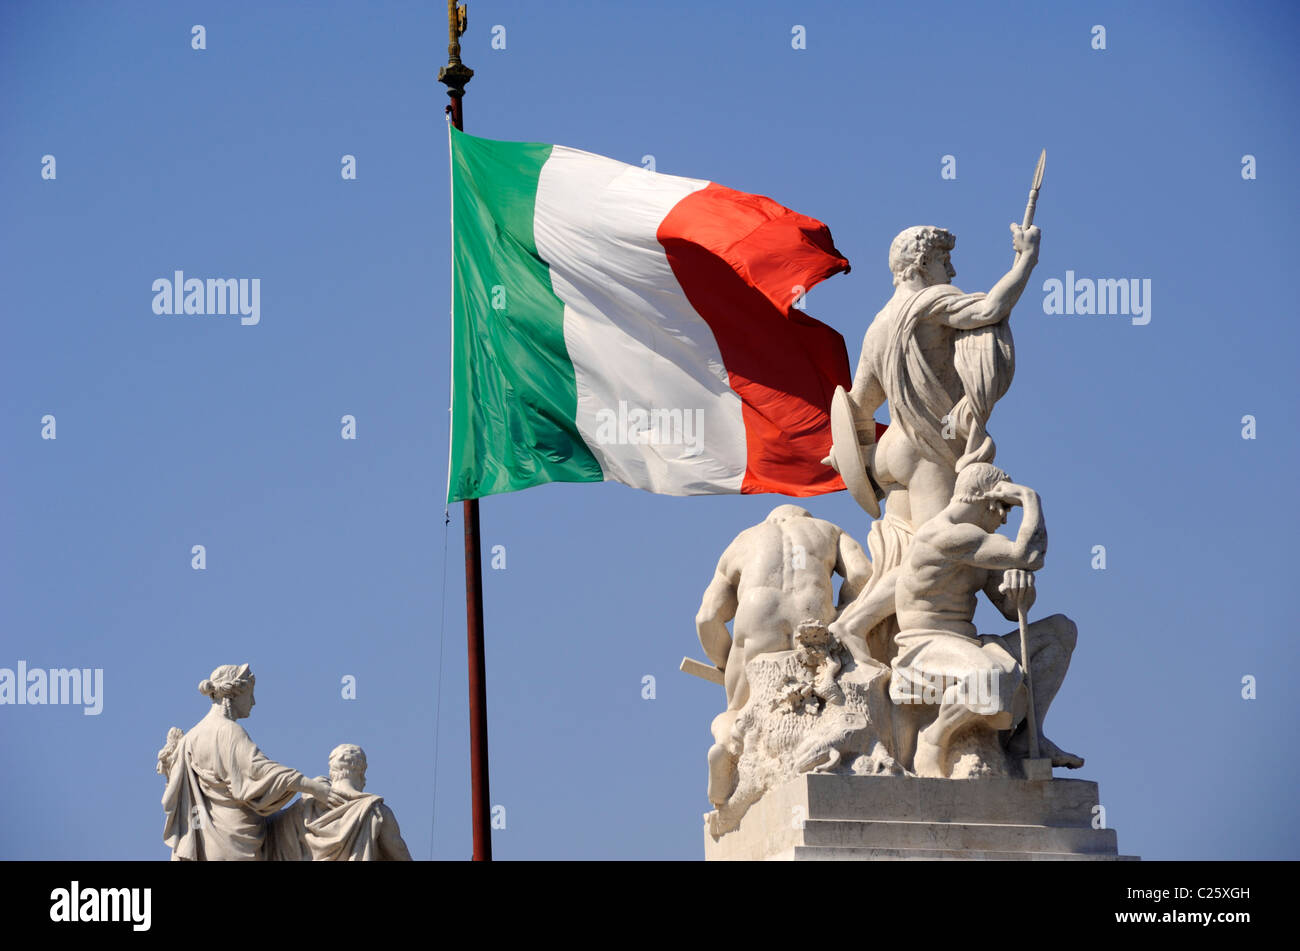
[{"x": 613, "y": 323}]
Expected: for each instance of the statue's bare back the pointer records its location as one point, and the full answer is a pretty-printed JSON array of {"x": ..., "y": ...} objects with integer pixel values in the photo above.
[{"x": 787, "y": 578}]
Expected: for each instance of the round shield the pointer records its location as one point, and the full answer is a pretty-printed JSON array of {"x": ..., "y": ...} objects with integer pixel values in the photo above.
[{"x": 848, "y": 454}]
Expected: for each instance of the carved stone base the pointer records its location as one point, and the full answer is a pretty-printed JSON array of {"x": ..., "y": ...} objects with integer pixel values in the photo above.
[
  {"x": 874, "y": 818},
  {"x": 805, "y": 715}
]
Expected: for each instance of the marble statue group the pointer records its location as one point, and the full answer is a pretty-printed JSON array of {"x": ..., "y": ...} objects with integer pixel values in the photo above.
[
  {"x": 893, "y": 677},
  {"x": 226, "y": 801}
]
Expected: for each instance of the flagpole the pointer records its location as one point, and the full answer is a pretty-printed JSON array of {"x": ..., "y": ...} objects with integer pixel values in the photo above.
[{"x": 454, "y": 76}]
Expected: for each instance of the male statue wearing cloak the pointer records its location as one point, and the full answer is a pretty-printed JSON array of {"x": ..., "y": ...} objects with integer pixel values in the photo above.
[
  {"x": 941, "y": 358},
  {"x": 355, "y": 826}
]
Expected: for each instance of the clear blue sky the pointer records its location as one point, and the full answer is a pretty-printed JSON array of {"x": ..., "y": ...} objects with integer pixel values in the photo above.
[{"x": 325, "y": 556}]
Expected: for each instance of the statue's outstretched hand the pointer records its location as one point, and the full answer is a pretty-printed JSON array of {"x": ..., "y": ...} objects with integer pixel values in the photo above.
[{"x": 316, "y": 788}]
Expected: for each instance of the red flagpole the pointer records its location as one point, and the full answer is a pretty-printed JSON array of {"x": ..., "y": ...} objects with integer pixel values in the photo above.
[{"x": 454, "y": 76}]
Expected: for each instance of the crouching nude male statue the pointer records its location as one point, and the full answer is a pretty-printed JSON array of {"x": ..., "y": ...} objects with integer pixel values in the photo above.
[{"x": 976, "y": 681}]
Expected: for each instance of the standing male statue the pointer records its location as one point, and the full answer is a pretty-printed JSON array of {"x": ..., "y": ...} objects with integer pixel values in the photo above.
[{"x": 941, "y": 358}]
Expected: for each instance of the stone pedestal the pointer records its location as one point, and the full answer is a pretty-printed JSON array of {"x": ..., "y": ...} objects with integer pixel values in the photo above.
[{"x": 869, "y": 818}]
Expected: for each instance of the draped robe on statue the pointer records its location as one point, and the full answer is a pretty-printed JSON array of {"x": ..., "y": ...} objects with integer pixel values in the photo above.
[
  {"x": 220, "y": 789},
  {"x": 922, "y": 401},
  {"x": 347, "y": 831},
  {"x": 984, "y": 361}
]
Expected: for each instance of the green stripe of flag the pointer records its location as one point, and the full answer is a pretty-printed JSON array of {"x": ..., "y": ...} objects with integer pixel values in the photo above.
[{"x": 514, "y": 399}]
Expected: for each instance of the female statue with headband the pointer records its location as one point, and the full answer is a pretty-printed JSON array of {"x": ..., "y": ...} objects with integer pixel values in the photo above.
[{"x": 220, "y": 787}]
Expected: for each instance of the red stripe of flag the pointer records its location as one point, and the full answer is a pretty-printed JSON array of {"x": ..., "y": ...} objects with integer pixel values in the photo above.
[{"x": 738, "y": 258}]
